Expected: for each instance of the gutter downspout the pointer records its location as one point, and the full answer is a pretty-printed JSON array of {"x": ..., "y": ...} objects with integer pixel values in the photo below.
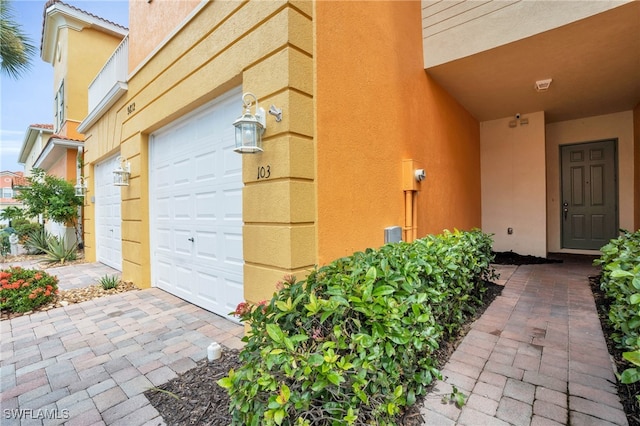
[{"x": 408, "y": 216}]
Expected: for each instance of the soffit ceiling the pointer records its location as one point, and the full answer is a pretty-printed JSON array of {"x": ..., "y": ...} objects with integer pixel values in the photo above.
[{"x": 594, "y": 64}]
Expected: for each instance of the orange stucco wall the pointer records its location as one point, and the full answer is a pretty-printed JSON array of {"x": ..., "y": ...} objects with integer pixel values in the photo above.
[
  {"x": 151, "y": 22},
  {"x": 65, "y": 166},
  {"x": 376, "y": 106}
]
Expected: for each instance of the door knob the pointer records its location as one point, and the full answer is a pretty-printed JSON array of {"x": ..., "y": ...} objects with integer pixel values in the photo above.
[
  {"x": 191, "y": 239},
  {"x": 565, "y": 210}
]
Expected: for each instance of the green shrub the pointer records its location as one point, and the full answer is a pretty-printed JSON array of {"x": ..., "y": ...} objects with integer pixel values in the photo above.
[
  {"x": 620, "y": 262},
  {"x": 5, "y": 243},
  {"x": 23, "y": 290},
  {"x": 26, "y": 228},
  {"x": 108, "y": 282},
  {"x": 354, "y": 342},
  {"x": 19, "y": 221}
]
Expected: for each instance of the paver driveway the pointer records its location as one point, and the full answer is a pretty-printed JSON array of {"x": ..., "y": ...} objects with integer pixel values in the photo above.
[{"x": 90, "y": 363}]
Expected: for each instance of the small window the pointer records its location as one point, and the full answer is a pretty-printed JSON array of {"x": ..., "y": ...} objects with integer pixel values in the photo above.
[
  {"x": 7, "y": 193},
  {"x": 59, "y": 107}
]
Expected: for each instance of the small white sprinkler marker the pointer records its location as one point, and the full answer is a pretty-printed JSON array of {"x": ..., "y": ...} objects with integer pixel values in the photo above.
[{"x": 214, "y": 351}]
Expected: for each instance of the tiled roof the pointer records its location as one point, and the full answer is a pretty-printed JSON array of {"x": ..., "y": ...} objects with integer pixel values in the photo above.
[
  {"x": 64, "y": 138},
  {"x": 19, "y": 181},
  {"x": 52, "y": 2},
  {"x": 42, "y": 126}
]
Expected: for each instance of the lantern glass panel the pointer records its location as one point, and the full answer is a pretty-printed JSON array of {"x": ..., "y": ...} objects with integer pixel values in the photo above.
[
  {"x": 120, "y": 177},
  {"x": 248, "y": 135}
]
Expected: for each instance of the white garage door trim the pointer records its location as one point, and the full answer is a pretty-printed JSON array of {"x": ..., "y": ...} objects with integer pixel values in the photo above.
[
  {"x": 195, "y": 207},
  {"x": 108, "y": 218}
]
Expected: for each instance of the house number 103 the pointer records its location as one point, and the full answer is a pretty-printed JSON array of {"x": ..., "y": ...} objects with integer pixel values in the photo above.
[{"x": 264, "y": 172}]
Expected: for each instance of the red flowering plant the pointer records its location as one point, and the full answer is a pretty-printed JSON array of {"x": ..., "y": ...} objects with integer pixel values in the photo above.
[{"x": 23, "y": 290}]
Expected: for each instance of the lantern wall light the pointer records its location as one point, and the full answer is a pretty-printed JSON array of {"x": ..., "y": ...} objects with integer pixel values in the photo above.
[
  {"x": 81, "y": 186},
  {"x": 250, "y": 127},
  {"x": 122, "y": 173}
]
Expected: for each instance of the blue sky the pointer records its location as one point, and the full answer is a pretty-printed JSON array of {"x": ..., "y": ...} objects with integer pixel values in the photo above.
[{"x": 29, "y": 99}]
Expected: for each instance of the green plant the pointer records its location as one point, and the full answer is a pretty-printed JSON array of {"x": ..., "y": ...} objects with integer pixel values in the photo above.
[
  {"x": 620, "y": 280},
  {"x": 354, "y": 342},
  {"x": 52, "y": 197},
  {"x": 58, "y": 251},
  {"x": 5, "y": 244},
  {"x": 108, "y": 282},
  {"x": 37, "y": 241},
  {"x": 620, "y": 263},
  {"x": 24, "y": 228},
  {"x": 13, "y": 215},
  {"x": 23, "y": 290}
]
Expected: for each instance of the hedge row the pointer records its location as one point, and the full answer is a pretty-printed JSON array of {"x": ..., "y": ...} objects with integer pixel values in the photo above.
[
  {"x": 620, "y": 262},
  {"x": 354, "y": 342}
]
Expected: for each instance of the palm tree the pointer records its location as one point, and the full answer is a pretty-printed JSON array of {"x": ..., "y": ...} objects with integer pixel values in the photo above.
[{"x": 16, "y": 49}]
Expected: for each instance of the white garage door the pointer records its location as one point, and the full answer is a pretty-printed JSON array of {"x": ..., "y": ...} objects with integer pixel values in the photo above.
[
  {"x": 107, "y": 213},
  {"x": 195, "y": 199}
]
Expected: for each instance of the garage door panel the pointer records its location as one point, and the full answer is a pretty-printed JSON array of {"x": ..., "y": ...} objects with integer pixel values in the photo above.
[
  {"x": 205, "y": 169},
  {"x": 234, "y": 242},
  {"x": 232, "y": 205},
  {"x": 163, "y": 240},
  {"x": 164, "y": 270},
  {"x": 195, "y": 190},
  {"x": 163, "y": 208},
  {"x": 181, "y": 171},
  {"x": 230, "y": 168},
  {"x": 206, "y": 246},
  {"x": 207, "y": 287},
  {"x": 234, "y": 291},
  {"x": 181, "y": 207},
  {"x": 182, "y": 244},
  {"x": 108, "y": 215},
  {"x": 205, "y": 205}
]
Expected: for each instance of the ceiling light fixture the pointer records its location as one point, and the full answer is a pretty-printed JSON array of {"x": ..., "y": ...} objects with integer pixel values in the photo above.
[{"x": 543, "y": 85}]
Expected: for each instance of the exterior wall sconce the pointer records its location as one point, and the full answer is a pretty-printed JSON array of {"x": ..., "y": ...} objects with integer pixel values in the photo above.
[
  {"x": 249, "y": 128},
  {"x": 122, "y": 173},
  {"x": 81, "y": 187}
]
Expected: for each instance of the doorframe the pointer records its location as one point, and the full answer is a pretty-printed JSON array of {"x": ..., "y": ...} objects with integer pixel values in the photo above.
[{"x": 559, "y": 212}]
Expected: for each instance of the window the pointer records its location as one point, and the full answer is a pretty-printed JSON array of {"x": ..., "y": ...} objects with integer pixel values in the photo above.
[
  {"x": 7, "y": 193},
  {"x": 59, "y": 107}
]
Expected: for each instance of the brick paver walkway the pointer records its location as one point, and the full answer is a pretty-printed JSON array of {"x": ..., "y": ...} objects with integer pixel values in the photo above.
[
  {"x": 89, "y": 363},
  {"x": 537, "y": 356}
]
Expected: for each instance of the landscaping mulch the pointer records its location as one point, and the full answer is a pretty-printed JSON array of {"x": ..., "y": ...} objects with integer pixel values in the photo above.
[
  {"x": 71, "y": 296},
  {"x": 512, "y": 258}
]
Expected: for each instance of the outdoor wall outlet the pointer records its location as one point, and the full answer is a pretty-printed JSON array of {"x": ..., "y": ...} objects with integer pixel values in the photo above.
[{"x": 509, "y": 231}]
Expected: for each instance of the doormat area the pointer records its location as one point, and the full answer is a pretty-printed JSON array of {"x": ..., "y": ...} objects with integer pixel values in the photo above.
[{"x": 512, "y": 258}]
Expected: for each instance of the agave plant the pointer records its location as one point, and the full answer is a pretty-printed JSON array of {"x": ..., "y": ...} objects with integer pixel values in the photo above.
[
  {"x": 58, "y": 252},
  {"x": 37, "y": 241},
  {"x": 108, "y": 282}
]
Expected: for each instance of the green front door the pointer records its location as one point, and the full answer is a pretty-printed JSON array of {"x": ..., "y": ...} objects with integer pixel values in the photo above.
[{"x": 589, "y": 205}]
